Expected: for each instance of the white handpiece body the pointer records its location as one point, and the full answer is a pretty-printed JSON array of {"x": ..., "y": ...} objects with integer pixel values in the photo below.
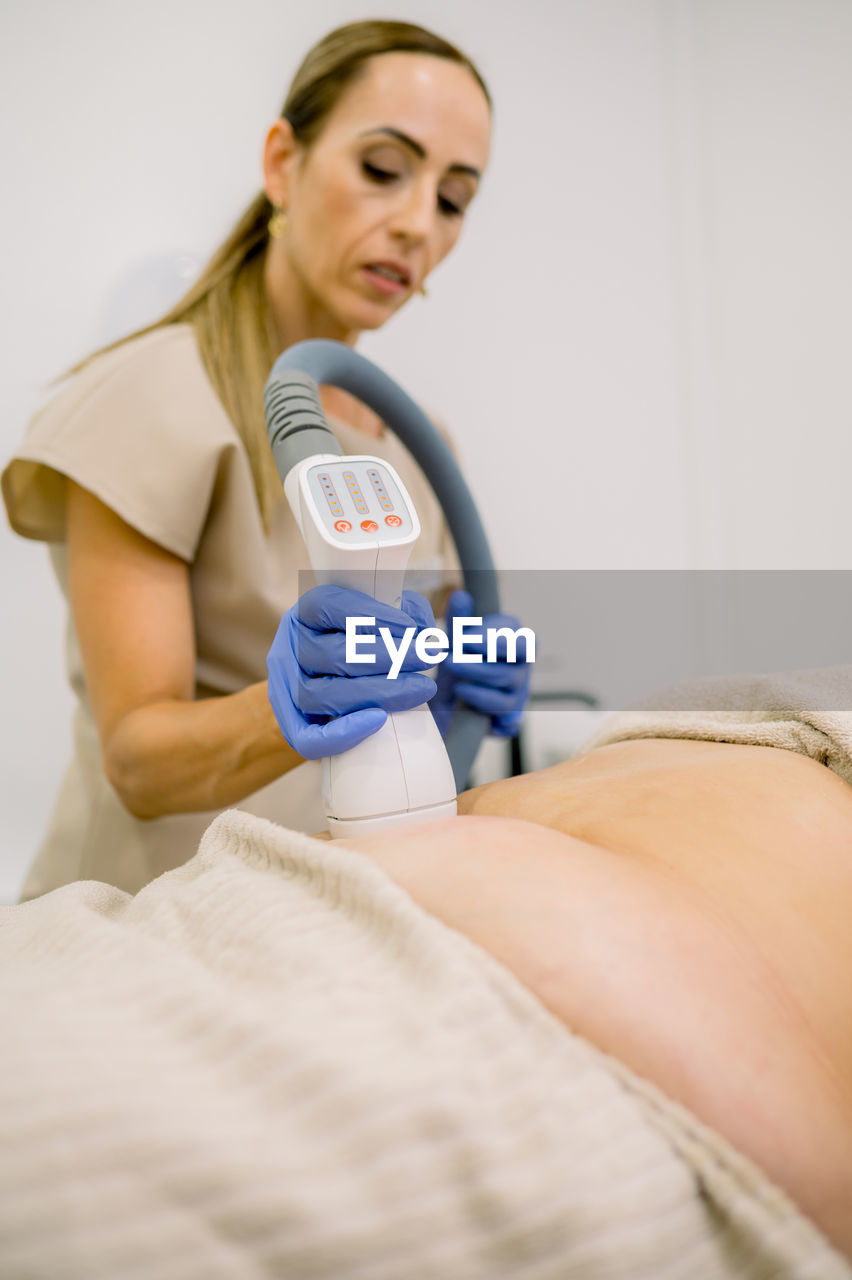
[{"x": 359, "y": 525}]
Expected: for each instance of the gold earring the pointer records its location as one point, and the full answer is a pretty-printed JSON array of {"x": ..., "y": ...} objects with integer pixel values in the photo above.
[
  {"x": 278, "y": 224},
  {"x": 422, "y": 291}
]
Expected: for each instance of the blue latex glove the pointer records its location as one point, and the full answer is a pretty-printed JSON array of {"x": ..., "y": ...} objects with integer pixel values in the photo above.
[
  {"x": 497, "y": 689},
  {"x": 324, "y": 706}
]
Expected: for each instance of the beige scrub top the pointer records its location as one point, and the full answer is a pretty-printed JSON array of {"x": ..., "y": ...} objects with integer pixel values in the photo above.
[{"x": 142, "y": 428}]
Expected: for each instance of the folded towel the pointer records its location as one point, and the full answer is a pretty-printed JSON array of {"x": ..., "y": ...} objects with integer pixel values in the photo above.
[
  {"x": 272, "y": 1062},
  {"x": 805, "y": 711}
]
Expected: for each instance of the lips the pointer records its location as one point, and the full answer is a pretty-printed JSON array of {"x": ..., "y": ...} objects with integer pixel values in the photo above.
[
  {"x": 398, "y": 269},
  {"x": 389, "y": 275}
]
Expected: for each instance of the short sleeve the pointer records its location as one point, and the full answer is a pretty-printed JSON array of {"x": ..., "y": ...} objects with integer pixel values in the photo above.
[{"x": 141, "y": 428}]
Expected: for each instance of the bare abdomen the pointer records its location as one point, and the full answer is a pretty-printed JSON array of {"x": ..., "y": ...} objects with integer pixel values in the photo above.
[{"x": 684, "y": 910}]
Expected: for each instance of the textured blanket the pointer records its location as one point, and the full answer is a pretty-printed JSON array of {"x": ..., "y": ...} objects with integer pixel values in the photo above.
[
  {"x": 271, "y": 1062},
  {"x": 805, "y": 711}
]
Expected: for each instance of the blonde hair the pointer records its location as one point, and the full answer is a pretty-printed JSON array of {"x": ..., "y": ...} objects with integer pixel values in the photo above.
[{"x": 227, "y": 305}]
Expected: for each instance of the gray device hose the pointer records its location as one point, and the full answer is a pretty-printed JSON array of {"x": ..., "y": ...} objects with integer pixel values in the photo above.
[{"x": 298, "y": 429}]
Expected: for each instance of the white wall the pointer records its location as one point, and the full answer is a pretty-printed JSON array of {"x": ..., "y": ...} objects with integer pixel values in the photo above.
[
  {"x": 641, "y": 343},
  {"x": 760, "y": 117}
]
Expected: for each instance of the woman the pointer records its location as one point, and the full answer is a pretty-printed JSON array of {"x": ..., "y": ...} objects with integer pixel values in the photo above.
[{"x": 151, "y": 475}]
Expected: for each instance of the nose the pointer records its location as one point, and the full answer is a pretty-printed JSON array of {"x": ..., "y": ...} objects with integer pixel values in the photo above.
[{"x": 413, "y": 216}]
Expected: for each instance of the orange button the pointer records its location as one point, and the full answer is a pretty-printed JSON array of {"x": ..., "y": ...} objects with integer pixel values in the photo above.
[
  {"x": 342, "y": 526},
  {"x": 394, "y": 521},
  {"x": 369, "y": 526}
]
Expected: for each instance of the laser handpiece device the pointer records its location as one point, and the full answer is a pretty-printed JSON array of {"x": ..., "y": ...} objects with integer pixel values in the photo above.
[
  {"x": 404, "y": 772},
  {"x": 359, "y": 525}
]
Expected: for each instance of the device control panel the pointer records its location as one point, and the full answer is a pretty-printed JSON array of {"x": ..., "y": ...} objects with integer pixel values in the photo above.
[{"x": 359, "y": 502}]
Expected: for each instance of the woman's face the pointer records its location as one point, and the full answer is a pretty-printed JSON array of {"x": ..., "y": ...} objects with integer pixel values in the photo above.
[{"x": 378, "y": 200}]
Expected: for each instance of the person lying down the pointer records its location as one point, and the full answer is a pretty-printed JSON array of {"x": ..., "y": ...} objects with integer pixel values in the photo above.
[
  {"x": 598, "y": 1024},
  {"x": 685, "y": 906}
]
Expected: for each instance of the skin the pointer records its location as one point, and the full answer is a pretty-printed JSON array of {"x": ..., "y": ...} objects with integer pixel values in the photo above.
[
  {"x": 686, "y": 907},
  {"x": 163, "y": 751}
]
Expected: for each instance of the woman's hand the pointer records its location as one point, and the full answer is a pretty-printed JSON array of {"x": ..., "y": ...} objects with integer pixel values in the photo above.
[
  {"x": 325, "y": 705},
  {"x": 498, "y": 689}
]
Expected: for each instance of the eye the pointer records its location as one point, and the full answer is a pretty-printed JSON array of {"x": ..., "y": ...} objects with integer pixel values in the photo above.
[
  {"x": 449, "y": 208},
  {"x": 378, "y": 174},
  {"x": 453, "y": 198}
]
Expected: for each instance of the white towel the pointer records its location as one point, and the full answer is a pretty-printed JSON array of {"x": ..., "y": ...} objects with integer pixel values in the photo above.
[{"x": 805, "y": 711}]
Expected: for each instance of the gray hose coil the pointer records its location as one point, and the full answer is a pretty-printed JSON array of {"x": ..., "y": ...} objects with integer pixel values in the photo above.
[{"x": 296, "y": 425}]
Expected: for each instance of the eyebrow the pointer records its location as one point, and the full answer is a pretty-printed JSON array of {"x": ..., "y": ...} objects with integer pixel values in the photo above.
[{"x": 418, "y": 148}]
